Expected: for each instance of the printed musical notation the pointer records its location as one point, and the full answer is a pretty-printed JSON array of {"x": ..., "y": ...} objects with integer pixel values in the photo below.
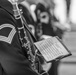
[{"x": 52, "y": 49}]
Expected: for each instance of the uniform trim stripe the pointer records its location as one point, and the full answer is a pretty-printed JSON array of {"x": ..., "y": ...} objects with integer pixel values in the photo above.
[{"x": 11, "y": 34}]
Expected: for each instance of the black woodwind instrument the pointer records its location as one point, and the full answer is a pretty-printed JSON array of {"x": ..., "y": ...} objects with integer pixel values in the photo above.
[{"x": 25, "y": 42}]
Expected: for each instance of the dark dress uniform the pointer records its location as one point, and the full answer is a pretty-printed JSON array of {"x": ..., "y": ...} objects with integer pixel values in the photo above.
[{"x": 13, "y": 60}]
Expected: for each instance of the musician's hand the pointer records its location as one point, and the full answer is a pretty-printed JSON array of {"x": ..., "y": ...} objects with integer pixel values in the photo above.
[
  {"x": 44, "y": 73},
  {"x": 15, "y": 1},
  {"x": 45, "y": 37},
  {"x": 19, "y": 1},
  {"x": 46, "y": 66}
]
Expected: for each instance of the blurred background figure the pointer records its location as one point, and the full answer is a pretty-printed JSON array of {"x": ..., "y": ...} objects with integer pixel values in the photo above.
[{"x": 44, "y": 25}]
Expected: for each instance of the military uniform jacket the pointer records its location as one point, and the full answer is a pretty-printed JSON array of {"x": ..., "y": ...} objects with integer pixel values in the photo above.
[{"x": 12, "y": 58}]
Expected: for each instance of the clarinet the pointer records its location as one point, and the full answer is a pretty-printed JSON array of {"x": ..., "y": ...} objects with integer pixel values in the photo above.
[{"x": 21, "y": 27}]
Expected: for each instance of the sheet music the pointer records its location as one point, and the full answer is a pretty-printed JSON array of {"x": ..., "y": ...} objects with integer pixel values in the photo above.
[{"x": 51, "y": 48}]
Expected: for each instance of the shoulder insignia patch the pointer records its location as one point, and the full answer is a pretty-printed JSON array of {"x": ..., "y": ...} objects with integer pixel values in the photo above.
[{"x": 7, "y": 37}]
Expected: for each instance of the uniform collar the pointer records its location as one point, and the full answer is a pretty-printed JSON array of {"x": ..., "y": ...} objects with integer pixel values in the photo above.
[{"x": 6, "y": 5}]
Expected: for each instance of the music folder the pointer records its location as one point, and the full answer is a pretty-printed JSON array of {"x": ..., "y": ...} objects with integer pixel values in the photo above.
[{"x": 52, "y": 49}]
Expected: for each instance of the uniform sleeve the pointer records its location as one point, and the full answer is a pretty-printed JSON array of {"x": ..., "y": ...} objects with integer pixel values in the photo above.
[{"x": 12, "y": 58}]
